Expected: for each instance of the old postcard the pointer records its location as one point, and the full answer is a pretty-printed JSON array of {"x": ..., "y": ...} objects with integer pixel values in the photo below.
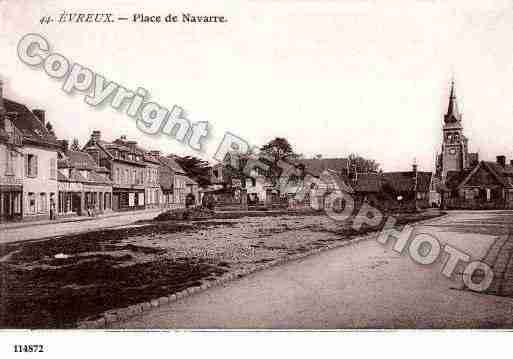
[{"x": 255, "y": 165}]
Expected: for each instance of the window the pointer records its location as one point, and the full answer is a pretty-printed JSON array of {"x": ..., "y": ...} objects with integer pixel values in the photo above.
[
  {"x": 11, "y": 158},
  {"x": 31, "y": 165},
  {"x": 42, "y": 203},
  {"x": 118, "y": 176},
  {"x": 216, "y": 173},
  {"x": 53, "y": 168},
  {"x": 127, "y": 176},
  {"x": 31, "y": 202}
]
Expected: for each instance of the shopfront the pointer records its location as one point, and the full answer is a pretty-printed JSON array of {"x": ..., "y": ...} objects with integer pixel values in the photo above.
[{"x": 11, "y": 202}]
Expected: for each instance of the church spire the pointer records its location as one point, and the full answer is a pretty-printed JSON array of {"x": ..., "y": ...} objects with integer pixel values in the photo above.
[{"x": 452, "y": 114}]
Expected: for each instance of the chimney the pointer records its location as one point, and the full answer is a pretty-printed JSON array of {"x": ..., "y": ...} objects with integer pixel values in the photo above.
[
  {"x": 131, "y": 144},
  {"x": 156, "y": 153},
  {"x": 501, "y": 160},
  {"x": 40, "y": 114},
  {"x": 96, "y": 136},
  {"x": 64, "y": 145}
]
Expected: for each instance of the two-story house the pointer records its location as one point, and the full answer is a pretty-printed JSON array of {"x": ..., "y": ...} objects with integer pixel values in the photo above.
[
  {"x": 173, "y": 182},
  {"x": 34, "y": 162},
  {"x": 127, "y": 167}
]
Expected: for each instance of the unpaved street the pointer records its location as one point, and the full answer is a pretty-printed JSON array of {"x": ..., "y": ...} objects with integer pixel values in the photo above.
[
  {"x": 58, "y": 229},
  {"x": 57, "y": 281},
  {"x": 366, "y": 285}
]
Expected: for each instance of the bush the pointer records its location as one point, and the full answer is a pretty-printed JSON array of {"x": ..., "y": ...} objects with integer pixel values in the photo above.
[{"x": 185, "y": 214}]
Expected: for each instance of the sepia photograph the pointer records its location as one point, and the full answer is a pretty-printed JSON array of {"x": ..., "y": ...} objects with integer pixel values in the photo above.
[{"x": 255, "y": 166}]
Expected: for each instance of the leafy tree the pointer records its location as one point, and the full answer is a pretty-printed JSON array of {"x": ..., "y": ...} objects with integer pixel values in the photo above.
[
  {"x": 277, "y": 150},
  {"x": 361, "y": 164},
  {"x": 195, "y": 168},
  {"x": 75, "y": 146}
]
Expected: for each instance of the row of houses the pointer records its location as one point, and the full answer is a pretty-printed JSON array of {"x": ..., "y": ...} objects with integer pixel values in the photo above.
[
  {"x": 309, "y": 182},
  {"x": 40, "y": 175}
]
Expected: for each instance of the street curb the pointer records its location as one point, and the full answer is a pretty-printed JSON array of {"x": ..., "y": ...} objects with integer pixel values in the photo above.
[
  {"x": 75, "y": 219},
  {"x": 119, "y": 315}
]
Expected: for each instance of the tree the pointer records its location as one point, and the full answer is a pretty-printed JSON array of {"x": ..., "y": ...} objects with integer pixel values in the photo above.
[
  {"x": 277, "y": 150},
  {"x": 362, "y": 165},
  {"x": 49, "y": 128},
  {"x": 75, "y": 146},
  {"x": 195, "y": 168}
]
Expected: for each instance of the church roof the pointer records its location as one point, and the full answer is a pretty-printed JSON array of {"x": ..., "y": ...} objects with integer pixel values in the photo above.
[{"x": 452, "y": 115}]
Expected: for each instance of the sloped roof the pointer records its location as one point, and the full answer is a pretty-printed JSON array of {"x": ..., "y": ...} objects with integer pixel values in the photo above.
[
  {"x": 75, "y": 176},
  {"x": 405, "y": 181},
  {"x": 336, "y": 181},
  {"x": 29, "y": 124},
  {"x": 78, "y": 160},
  {"x": 119, "y": 145},
  {"x": 189, "y": 181},
  {"x": 503, "y": 175},
  {"x": 368, "y": 182},
  {"x": 316, "y": 166},
  {"x": 171, "y": 163},
  {"x": 81, "y": 160},
  {"x": 452, "y": 114},
  {"x": 98, "y": 178}
]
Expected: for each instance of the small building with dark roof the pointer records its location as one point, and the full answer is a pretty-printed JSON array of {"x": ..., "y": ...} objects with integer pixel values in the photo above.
[
  {"x": 84, "y": 187},
  {"x": 488, "y": 185},
  {"x": 173, "y": 183}
]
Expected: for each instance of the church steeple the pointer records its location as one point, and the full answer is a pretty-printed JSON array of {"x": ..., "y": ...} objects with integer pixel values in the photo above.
[
  {"x": 452, "y": 115},
  {"x": 454, "y": 155}
]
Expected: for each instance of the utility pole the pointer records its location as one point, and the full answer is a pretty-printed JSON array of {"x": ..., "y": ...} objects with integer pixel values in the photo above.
[{"x": 415, "y": 184}]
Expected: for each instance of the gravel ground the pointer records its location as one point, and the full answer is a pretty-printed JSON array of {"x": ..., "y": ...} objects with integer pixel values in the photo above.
[{"x": 55, "y": 282}]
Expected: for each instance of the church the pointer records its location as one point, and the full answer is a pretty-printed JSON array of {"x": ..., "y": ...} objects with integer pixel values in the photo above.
[{"x": 461, "y": 179}]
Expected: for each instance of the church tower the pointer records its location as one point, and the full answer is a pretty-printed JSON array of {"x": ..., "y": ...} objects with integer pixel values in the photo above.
[{"x": 454, "y": 156}]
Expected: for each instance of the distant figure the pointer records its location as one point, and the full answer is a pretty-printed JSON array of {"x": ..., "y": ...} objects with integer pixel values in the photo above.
[{"x": 52, "y": 208}]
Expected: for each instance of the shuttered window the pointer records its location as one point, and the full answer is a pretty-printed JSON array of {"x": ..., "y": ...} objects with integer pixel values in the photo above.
[
  {"x": 11, "y": 155},
  {"x": 53, "y": 168},
  {"x": 31, "y": 165}
]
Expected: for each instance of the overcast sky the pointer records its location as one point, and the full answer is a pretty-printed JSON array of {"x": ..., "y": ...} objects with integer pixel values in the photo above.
[{"x": 333, "y": 77}]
